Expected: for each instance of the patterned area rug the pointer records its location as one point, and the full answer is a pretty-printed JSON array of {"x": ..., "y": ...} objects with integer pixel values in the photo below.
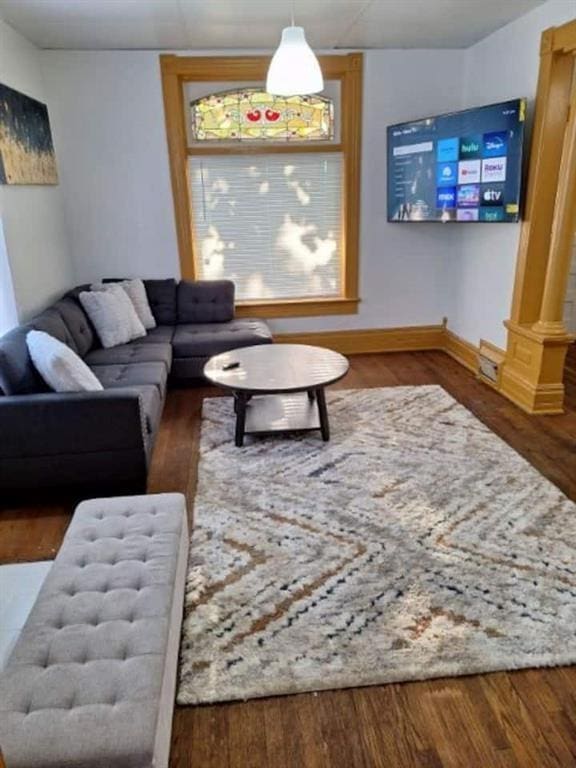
[{"x": 415, "y": 544}]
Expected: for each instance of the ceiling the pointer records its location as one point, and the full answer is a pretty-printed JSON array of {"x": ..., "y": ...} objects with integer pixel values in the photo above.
[{"x": 256, "y": 24}]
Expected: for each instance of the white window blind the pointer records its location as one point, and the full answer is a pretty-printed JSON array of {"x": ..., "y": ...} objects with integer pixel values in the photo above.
[{"x": 271, "y": 223}]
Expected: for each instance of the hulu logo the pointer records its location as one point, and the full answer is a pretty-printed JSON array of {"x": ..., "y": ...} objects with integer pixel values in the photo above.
[{"x": 470, "y": 147}]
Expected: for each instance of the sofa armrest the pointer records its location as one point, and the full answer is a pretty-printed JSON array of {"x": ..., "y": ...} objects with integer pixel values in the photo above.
[
  {"x": 71, "y": 423},
  {"x": 205, "y": 301}
]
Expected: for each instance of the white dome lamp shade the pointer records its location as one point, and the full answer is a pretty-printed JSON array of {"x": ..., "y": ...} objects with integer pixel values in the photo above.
[{"x": 294, "y": 69}]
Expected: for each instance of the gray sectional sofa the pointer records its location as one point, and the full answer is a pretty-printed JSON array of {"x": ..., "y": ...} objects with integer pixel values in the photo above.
[{"x": 104, "y": 440}]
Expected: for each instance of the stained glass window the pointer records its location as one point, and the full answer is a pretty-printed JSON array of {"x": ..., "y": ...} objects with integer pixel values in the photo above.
[{"x": 251, "y": 114}]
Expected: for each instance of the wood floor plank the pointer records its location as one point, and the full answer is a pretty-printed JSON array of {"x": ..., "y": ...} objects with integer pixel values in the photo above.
[
  {"x": 339, "y": 724},
  {"x": 200, "y": 738},
  {"x": 533, "y": 745},
  {"x": 524, "y": 719},
  {"x": 390, "y": 728},
  {"x": 247, "y": 747},
  {"x": 293, "y": 731}
]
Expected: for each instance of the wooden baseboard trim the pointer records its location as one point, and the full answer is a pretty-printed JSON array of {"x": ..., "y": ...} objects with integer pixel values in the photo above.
[
  {"x": 417, "y": 338},
  {"x": 372, "y": 340},
  {"x": 464, "y": 352}
]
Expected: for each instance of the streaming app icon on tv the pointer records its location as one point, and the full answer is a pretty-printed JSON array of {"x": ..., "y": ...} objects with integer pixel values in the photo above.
[
  {"x": 446, "y": 197},
  {"x": 468, "y": 171},
  {"x": 492, "y": 194},
  {"x": 470, "y": 147},
  {"x": 495, "y": 144},
  {"x": 491, "y": 214},
  {"x": 446, "y": 174},
  {"x": 447, "y": 150},
  {"x": 469, "y": 196},
  {"x": 494, "y": 169},
  {"x": 467, "y": 214}
]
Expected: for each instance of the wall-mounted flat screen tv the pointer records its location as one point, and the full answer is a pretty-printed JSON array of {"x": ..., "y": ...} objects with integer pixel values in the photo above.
[{"x": 464, "y": 166}]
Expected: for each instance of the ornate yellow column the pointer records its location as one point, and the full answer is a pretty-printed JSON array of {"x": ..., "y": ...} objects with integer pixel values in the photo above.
[
  {"x": 551, "y": 322},
  {"x": 533, "y": 369}
]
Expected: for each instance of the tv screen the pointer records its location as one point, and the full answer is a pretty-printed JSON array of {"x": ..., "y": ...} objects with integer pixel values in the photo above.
[{"x": 464, "y": 166}]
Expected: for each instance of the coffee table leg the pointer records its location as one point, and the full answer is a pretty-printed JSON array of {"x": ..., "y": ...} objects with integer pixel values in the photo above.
[
  {"x": 311, "y": 395},
  {"x": 240, "y": 402},
  {"x": 323, "y": 413}
]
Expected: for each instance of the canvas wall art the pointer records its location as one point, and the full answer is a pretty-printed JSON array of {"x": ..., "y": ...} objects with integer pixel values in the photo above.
[{"x": 26, "y": 148}]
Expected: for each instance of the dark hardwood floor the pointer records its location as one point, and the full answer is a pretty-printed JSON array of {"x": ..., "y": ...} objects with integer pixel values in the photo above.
[{"x": 525, "y": 719}]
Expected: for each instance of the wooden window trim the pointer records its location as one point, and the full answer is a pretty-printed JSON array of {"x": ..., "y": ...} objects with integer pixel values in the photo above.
[{"x": 177, "y": 70}]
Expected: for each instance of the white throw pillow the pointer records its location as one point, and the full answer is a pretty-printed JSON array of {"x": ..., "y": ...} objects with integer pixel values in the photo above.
[
  {"x": 60, "y": 366},
  {"x": 136, "y": 290},
  {"x": 131, "y": 318},
  {"x": 108, "y": 317}
]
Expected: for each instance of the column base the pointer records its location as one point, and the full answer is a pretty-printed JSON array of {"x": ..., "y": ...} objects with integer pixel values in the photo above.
[{"x": 533, "y": 369}]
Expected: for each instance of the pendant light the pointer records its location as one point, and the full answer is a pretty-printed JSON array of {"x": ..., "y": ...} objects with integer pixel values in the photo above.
[{"x": 294, "y": 69}]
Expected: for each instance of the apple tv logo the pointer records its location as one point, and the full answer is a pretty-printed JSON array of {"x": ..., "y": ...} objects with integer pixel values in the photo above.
[{"x": 492, "y": 194}]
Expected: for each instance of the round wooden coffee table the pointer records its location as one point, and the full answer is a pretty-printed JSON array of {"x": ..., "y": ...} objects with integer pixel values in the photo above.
[{"x": 268, "y": 380}]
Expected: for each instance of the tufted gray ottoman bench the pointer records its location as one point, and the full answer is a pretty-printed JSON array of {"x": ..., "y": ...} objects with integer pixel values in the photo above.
[{"x": 91, "y": 681}]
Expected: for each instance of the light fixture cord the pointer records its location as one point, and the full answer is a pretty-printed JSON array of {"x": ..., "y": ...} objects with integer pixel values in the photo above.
[{"x": 292, "y": 10}]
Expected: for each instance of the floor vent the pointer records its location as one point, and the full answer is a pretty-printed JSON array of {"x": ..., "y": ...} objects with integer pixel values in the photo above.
[
  {"x": 488, "y": 369},
  {"x": 490, "y": 360}
]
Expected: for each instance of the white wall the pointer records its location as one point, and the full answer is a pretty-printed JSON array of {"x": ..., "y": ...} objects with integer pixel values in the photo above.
[
  {"x": 108, "y": 112},
  {"x": 503, "y": 66},
  {"x": 402, "y": 268},
  {"x": 32, "y": 215},
  {"x": 8, "y": 311}
]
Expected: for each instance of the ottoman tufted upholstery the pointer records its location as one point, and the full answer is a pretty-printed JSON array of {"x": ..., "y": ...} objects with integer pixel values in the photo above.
[{"x": 91, "y": 681}]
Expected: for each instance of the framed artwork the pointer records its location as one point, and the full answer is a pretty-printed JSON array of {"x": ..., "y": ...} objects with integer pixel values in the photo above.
[{"x": 26, "y": 148}]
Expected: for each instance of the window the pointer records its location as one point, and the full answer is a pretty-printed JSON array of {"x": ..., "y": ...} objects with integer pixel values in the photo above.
[
  {"x": 249, "y": 114},
  {"x": 266, "y": 187},
  {"x": 270, "y": 223}
]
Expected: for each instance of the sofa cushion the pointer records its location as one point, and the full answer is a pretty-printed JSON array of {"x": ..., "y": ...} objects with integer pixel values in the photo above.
[
  {"x": 135, "y": 352},
  {"x": 162, "y": 298},
  {"x": 128, "y": 313},
  {"x": 113, "y": 376},
  {"x": 207, "y": 339},
  {"x": 77, "y": 323},
  {"x": 151, "y": 405},
  {"x": 108, "y": 313},
  {"x": 18, "y": 376},
  {"x": 73, "y": 293},
  {"x": 205, "y": 301},
  {"x": 51, "y": 322},
  {"x": 60, "y": 366},
  {"x": 136, "y": 290},
  {"x": 162, "y": 334}
]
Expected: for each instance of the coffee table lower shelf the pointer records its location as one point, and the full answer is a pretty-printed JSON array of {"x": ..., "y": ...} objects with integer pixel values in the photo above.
[{"x": 273, "y": 414}]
